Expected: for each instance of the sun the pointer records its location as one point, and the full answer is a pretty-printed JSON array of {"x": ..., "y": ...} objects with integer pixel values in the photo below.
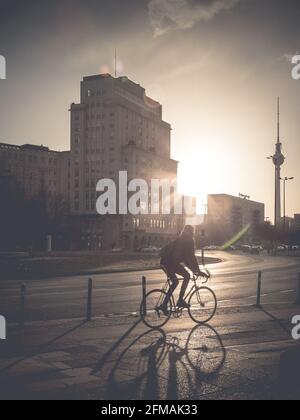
[{"x": 203, "y": 174}]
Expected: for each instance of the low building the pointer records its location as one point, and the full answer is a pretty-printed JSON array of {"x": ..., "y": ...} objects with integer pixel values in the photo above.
[
  {"x": 229, "y": 215},
  {"x": 35, "y": 169}
]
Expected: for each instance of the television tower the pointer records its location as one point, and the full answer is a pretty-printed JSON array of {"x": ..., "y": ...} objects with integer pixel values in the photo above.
[{"x": 278, "y": 160}]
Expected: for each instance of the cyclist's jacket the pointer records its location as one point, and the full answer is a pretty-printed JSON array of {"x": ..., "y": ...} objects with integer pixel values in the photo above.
[{"x": 182, "y": 250}]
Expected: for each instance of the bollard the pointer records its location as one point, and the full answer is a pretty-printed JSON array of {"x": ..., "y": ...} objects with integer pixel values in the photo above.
[
  {"x": 22, "y": 305},
  {"x": 258, "y": 305},
  {"x": 144, "y": 291},
  {"x": 89, "y": 301}
]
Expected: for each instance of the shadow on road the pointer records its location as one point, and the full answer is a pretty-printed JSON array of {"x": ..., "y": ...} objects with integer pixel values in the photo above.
[
  {"x": 280, "y": 323},
  {"x": 288, "y": 386},
  {"x": 40, "y": 349},
  {"x": 160, "y": 366},
  {"x": 289, "y": 374}
]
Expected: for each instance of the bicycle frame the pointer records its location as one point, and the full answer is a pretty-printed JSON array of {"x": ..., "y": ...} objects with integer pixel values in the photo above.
[{"x": 192, "y": 289}]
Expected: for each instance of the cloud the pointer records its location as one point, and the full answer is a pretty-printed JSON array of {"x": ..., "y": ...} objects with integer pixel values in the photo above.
[{"x": 166, "y": 15}]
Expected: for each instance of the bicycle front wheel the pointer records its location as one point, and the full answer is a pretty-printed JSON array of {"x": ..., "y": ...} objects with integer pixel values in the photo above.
[
  {"x": 149, "y": 310},
  {"x": 203, "y": 305}
]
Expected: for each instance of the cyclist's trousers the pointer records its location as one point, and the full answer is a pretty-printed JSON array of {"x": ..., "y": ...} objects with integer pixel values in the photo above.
[{"x": 172, "y": 272}]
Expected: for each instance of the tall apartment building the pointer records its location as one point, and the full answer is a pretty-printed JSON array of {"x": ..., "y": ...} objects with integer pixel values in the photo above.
[
  {"x": 35, "y": 169},
  {"x": 117, "y": 127}
]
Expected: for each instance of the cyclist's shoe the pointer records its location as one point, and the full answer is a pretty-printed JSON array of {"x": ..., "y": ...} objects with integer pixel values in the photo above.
[
  {"x": 163, "y": 308},
  {"x": 182, "y": 304}
]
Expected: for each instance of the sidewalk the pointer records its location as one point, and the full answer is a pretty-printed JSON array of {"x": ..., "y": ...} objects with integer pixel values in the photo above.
[{"x": 236, "y": 357}]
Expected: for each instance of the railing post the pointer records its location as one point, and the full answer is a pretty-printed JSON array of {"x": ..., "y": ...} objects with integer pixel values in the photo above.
[
  {"x": 22, "y": 305},
  {"x": 89, "y": 301},
  {"x": 258, "y": 303},
  {"x": 144, "y": 291}
]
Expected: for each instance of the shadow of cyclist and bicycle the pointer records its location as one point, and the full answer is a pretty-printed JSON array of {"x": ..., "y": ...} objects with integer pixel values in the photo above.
[{"x": 156, "y": 365}]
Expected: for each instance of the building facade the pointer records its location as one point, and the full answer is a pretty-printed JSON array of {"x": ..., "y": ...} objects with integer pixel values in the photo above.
[
  {"x": 297, "y": 222},
  {"x": 117, "y": 127},
  {"x": 36, "y": 169},
  {"x": 228, "y": 215}
]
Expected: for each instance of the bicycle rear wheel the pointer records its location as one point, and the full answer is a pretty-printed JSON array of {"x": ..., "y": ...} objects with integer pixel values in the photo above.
[
  {"x": 150, "y": 315},
  {"x": 203, "y": 305}
]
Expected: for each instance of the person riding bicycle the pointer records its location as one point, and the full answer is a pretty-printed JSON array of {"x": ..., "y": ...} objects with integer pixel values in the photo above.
[{"x": 174, "y": 257}]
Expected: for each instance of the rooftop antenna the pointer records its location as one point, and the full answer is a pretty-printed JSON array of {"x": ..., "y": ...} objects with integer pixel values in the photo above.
[
  {"x": 115, "y": 62},
  {"x": 245, "y": 197}
]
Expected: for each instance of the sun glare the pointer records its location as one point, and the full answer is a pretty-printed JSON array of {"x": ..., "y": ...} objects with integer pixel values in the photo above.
[{"x": 203, "y": 174}]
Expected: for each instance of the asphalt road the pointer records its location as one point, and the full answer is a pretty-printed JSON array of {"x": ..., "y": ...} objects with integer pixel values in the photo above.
[{"x": 234, "y": 281}]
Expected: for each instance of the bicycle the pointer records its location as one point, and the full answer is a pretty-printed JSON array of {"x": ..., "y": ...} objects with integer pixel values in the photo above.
[{"x": 202, "y": 300}]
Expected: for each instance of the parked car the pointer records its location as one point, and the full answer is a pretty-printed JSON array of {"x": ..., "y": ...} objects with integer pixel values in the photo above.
[
  {"x": 255, "y": 250},
  {"x": 117, "y": 250},
  {"x": 246, "y": 248},
  {"x": 211, "y": 248},
  {"x": 281, "y": 248},
  {"x": 239, "y": 247},
  {"x": 150, "y": 249}
]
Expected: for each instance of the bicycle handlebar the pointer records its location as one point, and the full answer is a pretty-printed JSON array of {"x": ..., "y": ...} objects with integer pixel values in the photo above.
[
  {"x": 205, "y": 280},
  {"x": 206, "y": 270}
]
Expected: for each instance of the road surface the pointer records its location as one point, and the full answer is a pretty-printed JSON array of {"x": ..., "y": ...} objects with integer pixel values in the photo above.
[
  {"x": 245, "y": 353},
  {"x": 234, "y": 281}
]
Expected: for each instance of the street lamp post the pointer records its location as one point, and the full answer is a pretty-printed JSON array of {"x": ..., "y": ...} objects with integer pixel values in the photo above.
[{"x": 284, "y": 198}]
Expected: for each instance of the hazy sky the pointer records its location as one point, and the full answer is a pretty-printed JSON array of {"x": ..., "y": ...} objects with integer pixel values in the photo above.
[{"x": 217, "y": 66}]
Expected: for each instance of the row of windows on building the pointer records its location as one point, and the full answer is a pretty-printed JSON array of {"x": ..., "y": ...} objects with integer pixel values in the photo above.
[
  {"x": 97, "y": 92},
  {"x": 19, "y": 156},
  {"x": 92, "y": 130},
  {"x": 135, "y": 118},
  {"x": 140, "y": 223},
  {"x": 102, "y": 115}
]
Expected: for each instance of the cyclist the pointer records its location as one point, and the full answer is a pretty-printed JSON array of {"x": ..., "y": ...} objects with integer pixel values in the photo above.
[{"x": 174, "y": 257}]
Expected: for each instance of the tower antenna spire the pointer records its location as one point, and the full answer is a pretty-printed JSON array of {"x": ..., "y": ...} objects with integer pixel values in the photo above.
[
  {"x": 278, "y": 161},
  {"x": 115, "y": 62},
  {"x": 278, "y": 119}
]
